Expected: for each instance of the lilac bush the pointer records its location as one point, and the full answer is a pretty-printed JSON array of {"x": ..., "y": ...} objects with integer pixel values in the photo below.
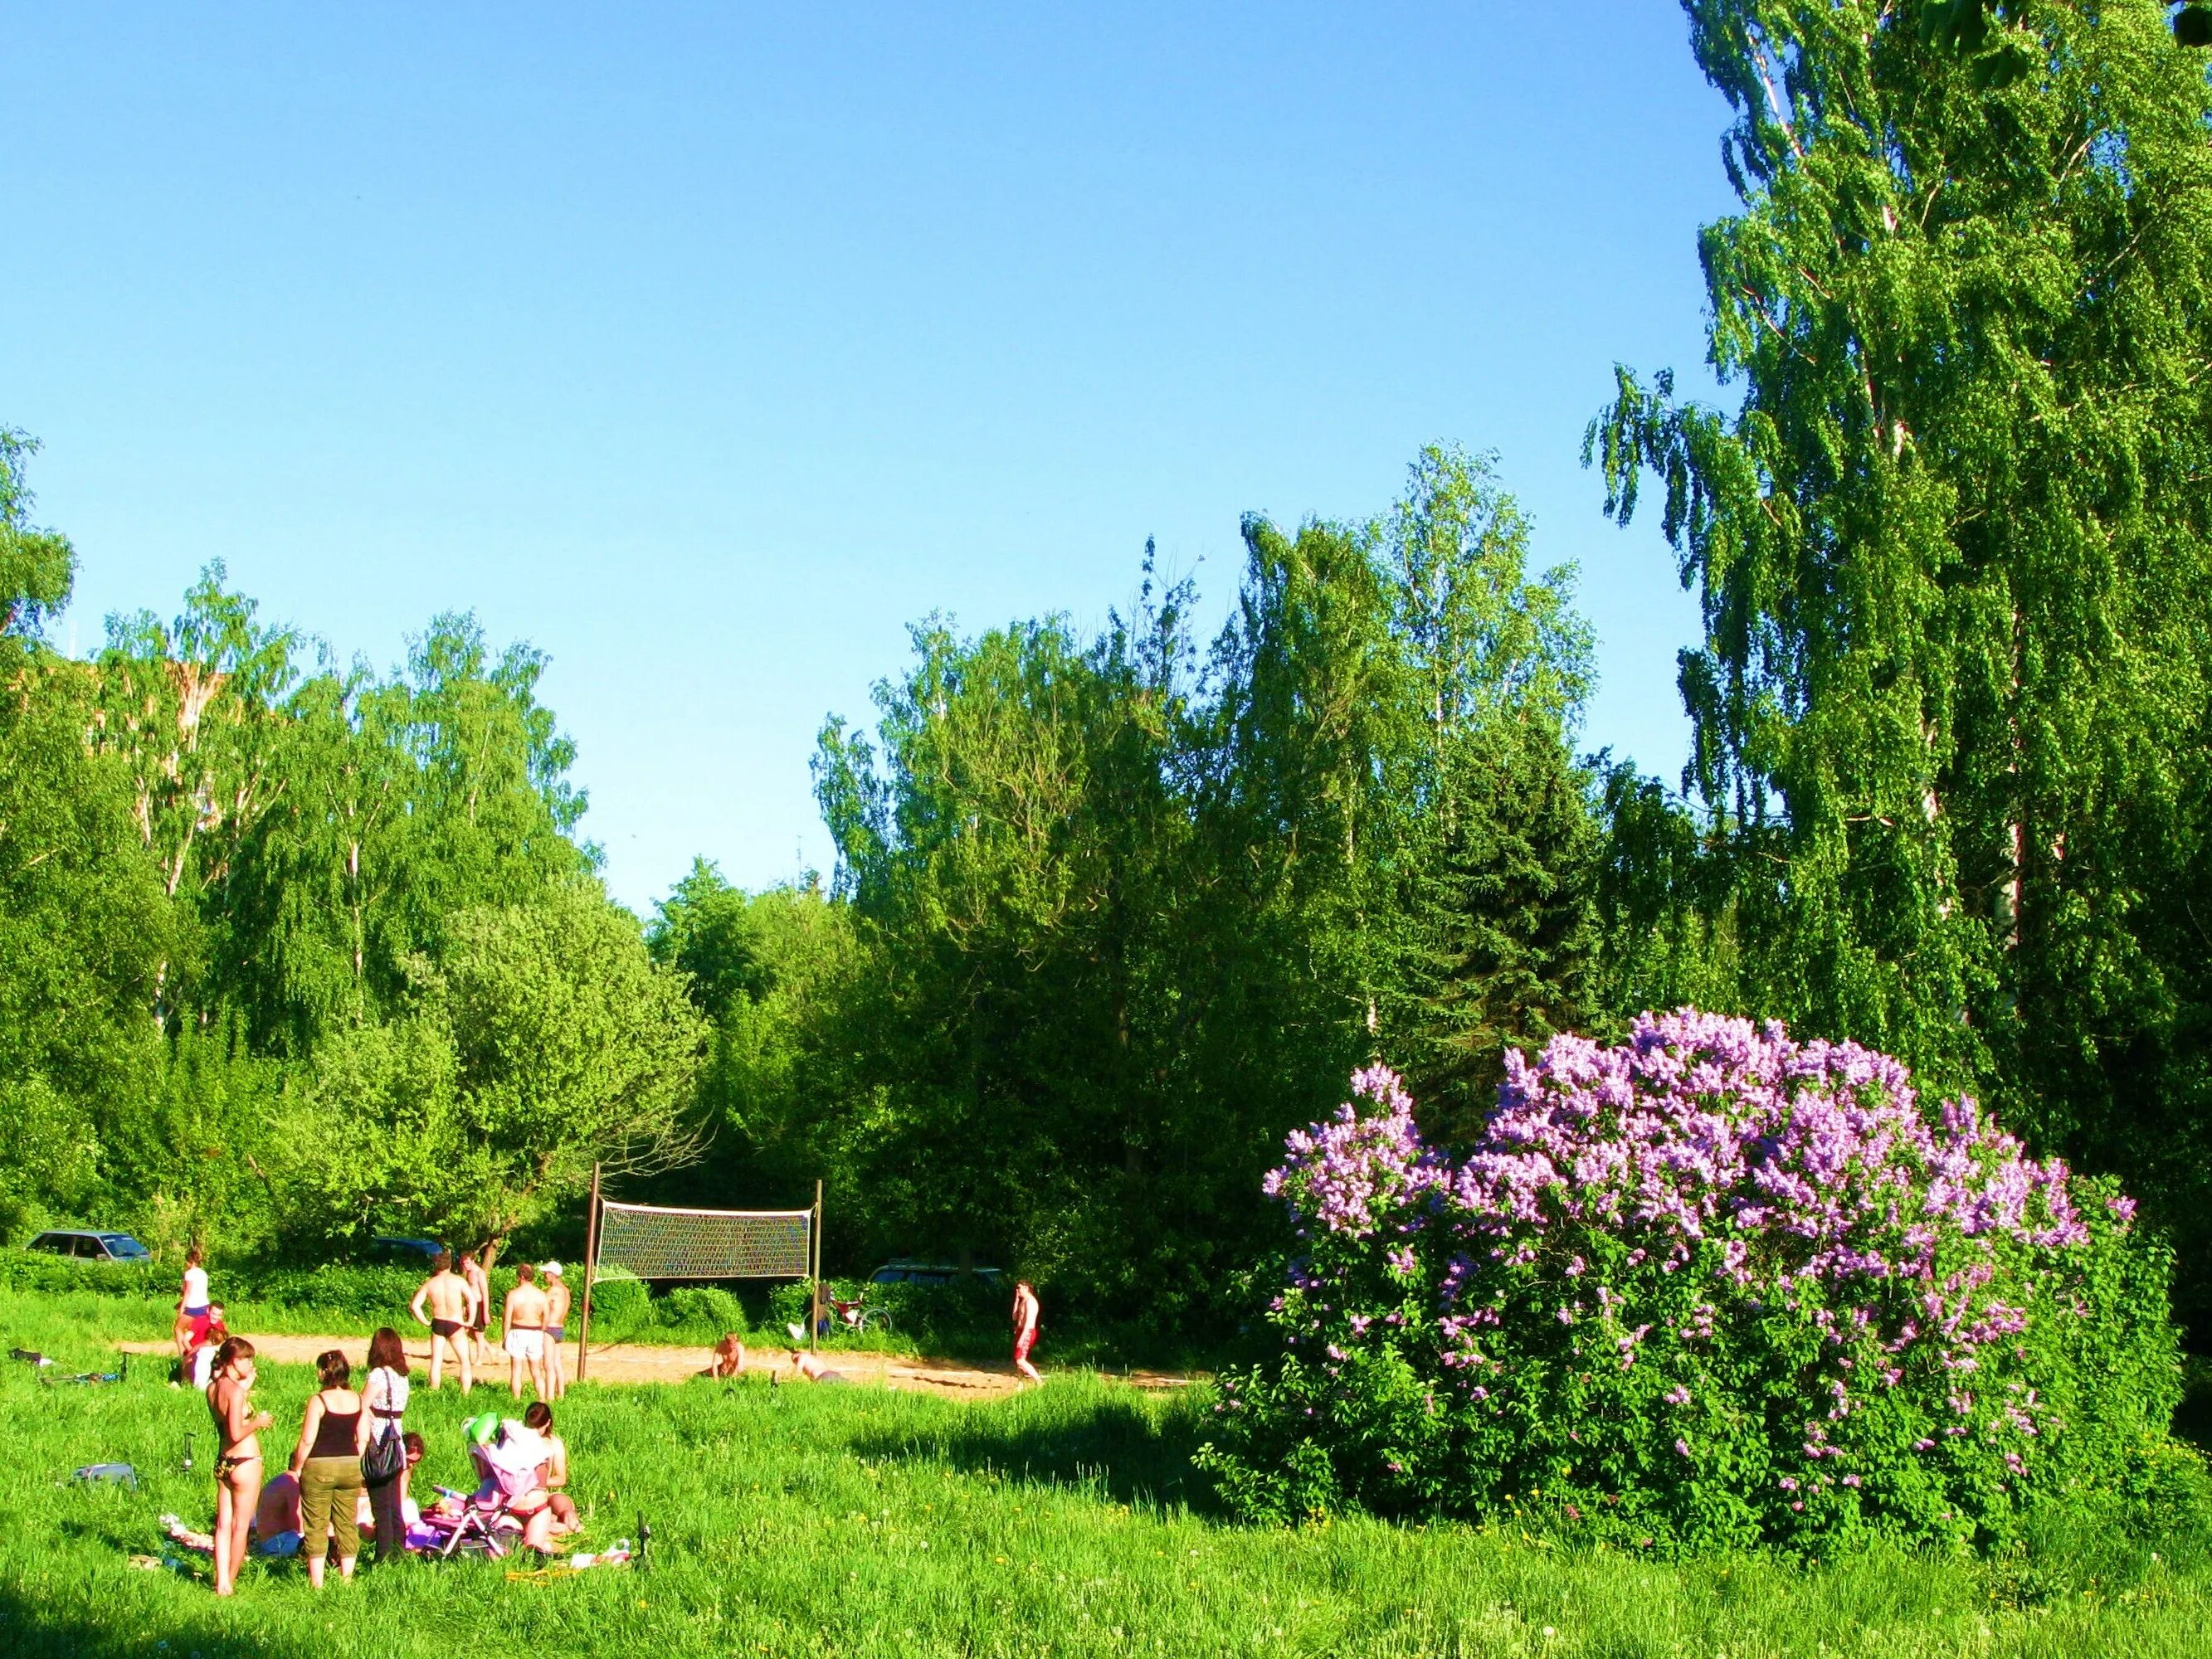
[{"x": 1711, "y": 1285}]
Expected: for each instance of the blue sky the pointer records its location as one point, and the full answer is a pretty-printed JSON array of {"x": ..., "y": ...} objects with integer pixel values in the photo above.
[{"x": 707, "y": 347}]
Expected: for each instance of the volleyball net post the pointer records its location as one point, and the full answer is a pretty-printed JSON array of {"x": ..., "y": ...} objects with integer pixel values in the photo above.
[{"x": 652, "y": 1241}]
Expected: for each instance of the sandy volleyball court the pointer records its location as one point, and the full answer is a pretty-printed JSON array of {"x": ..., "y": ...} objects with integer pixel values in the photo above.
[{"x": 631, "y": 1362}]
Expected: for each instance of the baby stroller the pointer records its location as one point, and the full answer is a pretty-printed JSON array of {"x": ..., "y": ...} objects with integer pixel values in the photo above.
[{"x": 509, "y": 1458}]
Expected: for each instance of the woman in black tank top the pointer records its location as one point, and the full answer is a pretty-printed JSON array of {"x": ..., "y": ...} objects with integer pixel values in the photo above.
[
  {"x": 335, "y": 1434},
  {"x": 327, "y": 1461}
]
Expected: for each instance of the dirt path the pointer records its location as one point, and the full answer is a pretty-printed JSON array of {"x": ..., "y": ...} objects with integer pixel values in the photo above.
[{"x": 628, "y": 1362}]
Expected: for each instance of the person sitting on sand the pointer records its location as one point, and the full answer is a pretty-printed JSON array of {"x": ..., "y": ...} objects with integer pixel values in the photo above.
[
  {"x": 728, "y": 1359},
  {"x": 809, "y": 1366}
]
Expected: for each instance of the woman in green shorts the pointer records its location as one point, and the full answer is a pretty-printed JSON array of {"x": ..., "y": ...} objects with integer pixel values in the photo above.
[{"x": 327, "y": 1461}]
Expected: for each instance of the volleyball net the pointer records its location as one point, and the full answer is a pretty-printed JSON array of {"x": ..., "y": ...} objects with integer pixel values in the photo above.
[
  {"x": 654, "y": 1241},
  {"x": 646, "y": 1241}
]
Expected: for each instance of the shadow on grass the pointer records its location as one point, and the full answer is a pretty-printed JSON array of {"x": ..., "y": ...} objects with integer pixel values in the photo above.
[
  {"x": 32, "y": 1627},
  {"x": 1120, "y": 1449}
]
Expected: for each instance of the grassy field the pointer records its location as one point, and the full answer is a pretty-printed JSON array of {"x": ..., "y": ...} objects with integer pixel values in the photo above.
[{"x": 828, "y": 1521}]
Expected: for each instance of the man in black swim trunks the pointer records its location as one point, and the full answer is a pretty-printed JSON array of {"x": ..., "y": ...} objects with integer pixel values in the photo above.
[{"x": 452, "y": 1311}]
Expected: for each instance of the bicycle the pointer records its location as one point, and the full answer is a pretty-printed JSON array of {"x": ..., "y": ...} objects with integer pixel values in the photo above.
[{"x": 858, "y": 1317}]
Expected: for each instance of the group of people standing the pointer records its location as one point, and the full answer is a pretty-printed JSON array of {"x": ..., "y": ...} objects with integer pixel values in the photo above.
[
  {"x": 455, "y": 1304},
  {"x": 349, "y": 1469},
  {"x": 352, "y": 1453}
]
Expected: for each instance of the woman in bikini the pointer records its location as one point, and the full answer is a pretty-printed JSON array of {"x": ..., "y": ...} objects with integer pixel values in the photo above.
[{"x": 238, "y": 1462}]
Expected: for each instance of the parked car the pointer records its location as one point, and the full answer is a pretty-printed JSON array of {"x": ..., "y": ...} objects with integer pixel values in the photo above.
[
  {"x": 927, "y": 1272},
  {"x": 406, "y": 1252},
  {"x": 89, "y": 1245}
]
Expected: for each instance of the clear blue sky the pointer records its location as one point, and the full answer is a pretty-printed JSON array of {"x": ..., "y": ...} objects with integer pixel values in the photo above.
[{"x": 707, "y": 347}]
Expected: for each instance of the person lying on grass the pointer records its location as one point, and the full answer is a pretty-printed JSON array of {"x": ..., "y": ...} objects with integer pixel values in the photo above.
[
  {"x": 728, "y": 1360},
  {"x": 273, "y": 1532}
]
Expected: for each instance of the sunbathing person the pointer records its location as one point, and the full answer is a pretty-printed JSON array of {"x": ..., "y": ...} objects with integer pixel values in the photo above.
[
  {"x": 553, "y": 1474},
  {"x": 809, "y": 1366},
  {"x": 728, "y": 1359},
  {"x": 275, "y": 1527},
  {"x": 274, "y": 1530}
]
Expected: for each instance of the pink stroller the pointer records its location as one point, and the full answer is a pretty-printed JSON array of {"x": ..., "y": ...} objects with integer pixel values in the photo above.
[{"x": 508, "y": 1498}]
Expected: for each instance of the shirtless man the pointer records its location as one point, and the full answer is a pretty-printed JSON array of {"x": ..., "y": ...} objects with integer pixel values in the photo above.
[
  {"x": 452, "y": 1308},
  {"x": 1025, "y": 1329},
  {"x": 472, "y": 1270},
  {"x": 809, "y": 1366},
  {"x": 557, "y": 1329},
  {"x": 522, "y": 1325},
  {"x": 728, "y": 1359}
]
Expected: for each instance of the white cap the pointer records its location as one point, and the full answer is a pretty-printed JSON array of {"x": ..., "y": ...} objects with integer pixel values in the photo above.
[{"x": 551, "y": 1270}]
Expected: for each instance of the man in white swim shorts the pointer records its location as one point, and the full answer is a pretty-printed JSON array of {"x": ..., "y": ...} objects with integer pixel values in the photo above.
[{"x": 523, "y": 1323}]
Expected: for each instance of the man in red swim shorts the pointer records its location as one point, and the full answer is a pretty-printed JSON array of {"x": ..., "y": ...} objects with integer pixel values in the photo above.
[{"x": 1025, "y": 1329}]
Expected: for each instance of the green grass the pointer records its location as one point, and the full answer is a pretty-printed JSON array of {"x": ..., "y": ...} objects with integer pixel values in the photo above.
[{"x": 850, "y": 1520}]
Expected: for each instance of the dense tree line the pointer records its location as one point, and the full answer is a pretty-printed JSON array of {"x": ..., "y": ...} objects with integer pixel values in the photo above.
[
  {"x": 1954, "y": 703},
  {"x": 290, "y": 951},
  {"x": 1112, "y": 914}
]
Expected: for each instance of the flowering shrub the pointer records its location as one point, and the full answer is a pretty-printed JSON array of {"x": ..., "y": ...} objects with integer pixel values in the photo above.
[{"x": 1711, "y": 1286}]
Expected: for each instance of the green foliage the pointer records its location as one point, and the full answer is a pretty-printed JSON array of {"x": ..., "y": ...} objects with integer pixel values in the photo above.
[
  {"x": 1954, "y": 697},
  {"x": 1120, "y": 915},
  {"x": 620, "y": 1306},
  {"x": 1710, "y": 1290},
  {"x": 286, "y": 955},
  {"x": 704, "y": 1311},
  {"x": 38, "y": 567},
  {"x": 543, "y": 1041}
]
